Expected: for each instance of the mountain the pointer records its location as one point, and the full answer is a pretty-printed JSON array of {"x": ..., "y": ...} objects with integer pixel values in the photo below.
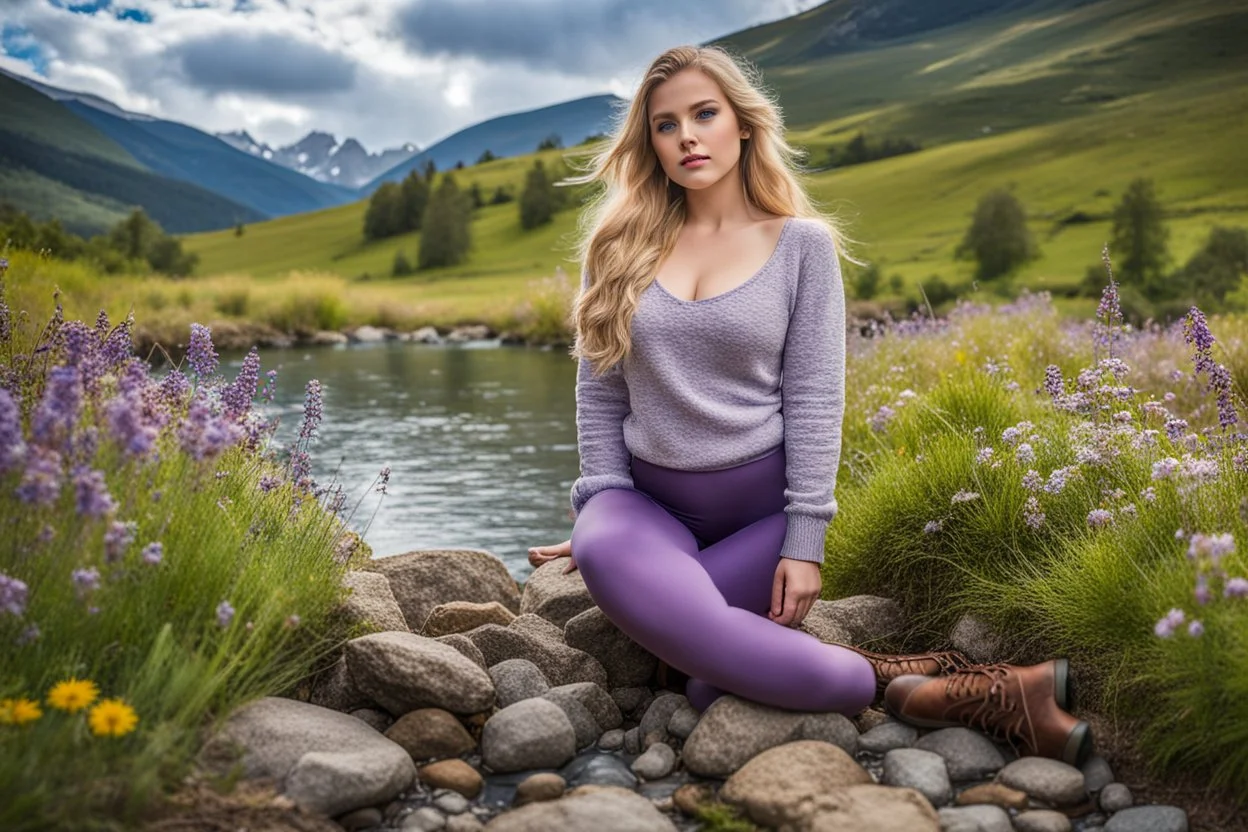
[
  {"x": 320, "y": 156},
  {"x": 516, "y": 134},
  {"x": 53, "y": 163}
]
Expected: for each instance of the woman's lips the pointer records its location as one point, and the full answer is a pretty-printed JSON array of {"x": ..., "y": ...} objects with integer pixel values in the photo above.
[{"x": 695, "y": 163}]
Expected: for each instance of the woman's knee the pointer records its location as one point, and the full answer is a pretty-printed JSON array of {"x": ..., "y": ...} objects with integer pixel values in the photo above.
[{"x": 602, "y": 526}]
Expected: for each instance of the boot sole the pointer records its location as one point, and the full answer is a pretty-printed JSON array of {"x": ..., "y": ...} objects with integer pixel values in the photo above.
[
  {"x": 1078, "y": 745},
  {"x": 1061, "y": 684}
]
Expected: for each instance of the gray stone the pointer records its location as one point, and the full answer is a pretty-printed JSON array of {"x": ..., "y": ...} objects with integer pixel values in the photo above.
[
  {"x": 1051, "y": 781},
  {"x": 559, "y": 663},
  {"x": 377, "y": 720},
  {"x": 660, "y": 712},
  {"x": 630, "y": 699},
  {"x": 982, "y": 818},
  {"x": 884, "y": 738},
  {"x": 1115, "y": 797},
  {"x": 632, "y": 740},
  {"x": 424, "y": 579},
  {"x": 452, "y": 803},
  {"x": 732, "y": 731},
  {"x": 466, "y": 648},
  {"x": 360, "y": 819},
  {"x": 583, "y": 723},
  {"x": 1041, "y": 820},
  {"x": 537, "y": 626},
  {"x": 923, "y": 771},
  {"x": 327, "y": 762},
  {"x": 600, "y": 808},
  {"x": 977, "y": 640},
  {"x": 516, "y": 680},
  {"x": 627, "y": 663},
  {"x": 463, "y": 823},
  {"x": 462, "y": 616},
  {"x": 775, "y": 787},
  {"x": 335, "y": 689},
  {"x": 605, "y": 712},
  {"x": 1148, "y": 819},
  {"x": 403, "y": 672},
  {"x": 612, "y": 740},
  {"x": 1096, "y": 773},
  {"x": 684, "y": 720},
  {"x": 371, "y": 602},
  {"x": 855, "y": 620},
  {"x": 657, "y": 762},
  {"x": 424, "y": 819},
  {"x": 534, "y": 733},
  {"x": 969, "y": 755},
  {"x": 599, "y": 770},
  {"x": 553, "y": 595}
]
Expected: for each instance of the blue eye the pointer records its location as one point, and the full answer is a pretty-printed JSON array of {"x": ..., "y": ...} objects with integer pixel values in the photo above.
[{"x": 665, "y": 123}]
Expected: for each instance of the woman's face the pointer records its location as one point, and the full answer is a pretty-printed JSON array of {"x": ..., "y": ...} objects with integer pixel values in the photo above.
[{"x": 688, "y": 115}]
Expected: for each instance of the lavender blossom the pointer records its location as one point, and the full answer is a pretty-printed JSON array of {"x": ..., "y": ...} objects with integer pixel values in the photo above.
[
  {"x": 225, "y": 614},
  {"x": 174, "y": 388},
  {"x": 964, "y": 497},
  {"x": 203, "y": 434},
  {"x": 270, "y": 386},
  {"x": 1032, "y": 514},
  {"x": 13, "y": 595},
  {"x": 1099, "y": 517},
  {"x": 1053, "y": 383},
  {"x": 85, "y": 581},
  {"x": 312, "y": 410},
  {"x": 91, "y": 494},
  {"x": 118, "y": 538},
  {"x": 41, "y": 481},
  {"x": 1202, "y": 592},
  {"x": 79, "y": 344},
  {"x": 1031, "y": 480},
  {"x": 1163, "y": 468},
  {"x": 1235, "y": 588},
  {"x": 1025, "y": 454},
  {"x": 385, "y": 480},
  {"x": 1057, "y": 481},
  {"x": 12, "y": 444},
  {"x": 200, "y": 354},
  {"x": 932, "y": 527},
  {"x": 237, "y": 396},
  {"x": 1169, "y": 623},
  {"x": 269, "y": 483},
  {"x": 127, "y": 423},
  {"x": 984, "y": 456},
  {"x": 53, "y": 422},
  {"x": 118, "y": 347},
  {"x": 1195, "y": 629},
  {"x": 153, "y": 553},
  {"x": 1149, "y": 494}
]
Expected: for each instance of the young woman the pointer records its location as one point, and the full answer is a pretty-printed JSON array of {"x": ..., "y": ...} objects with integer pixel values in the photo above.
[{"x": 710, "y": 334}]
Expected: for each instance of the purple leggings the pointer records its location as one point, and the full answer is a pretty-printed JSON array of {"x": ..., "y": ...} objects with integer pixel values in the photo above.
[{"x": 684, "y": 565}]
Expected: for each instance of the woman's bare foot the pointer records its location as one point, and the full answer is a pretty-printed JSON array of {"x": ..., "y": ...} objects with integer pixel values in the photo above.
[{"x": 539, "y": 555}]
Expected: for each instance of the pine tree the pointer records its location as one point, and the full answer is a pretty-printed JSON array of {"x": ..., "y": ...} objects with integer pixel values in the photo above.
[
  {"x": 385, "y": 211},
  {"x": 1138, "y": 240},
  {"x": 413, "y": 197},
  {"x": 445, "y": 237},
  {"x": 537, "y": 201}
]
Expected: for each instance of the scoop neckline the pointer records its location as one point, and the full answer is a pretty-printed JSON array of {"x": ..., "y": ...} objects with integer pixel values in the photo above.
[{"x": 784, "y": 230}]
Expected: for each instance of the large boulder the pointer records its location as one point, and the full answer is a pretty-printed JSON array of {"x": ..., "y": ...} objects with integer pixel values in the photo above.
[
  {"x": 371, "y": 601},
  {"x": 561, "y": 664},
  {"x": 424, "y": 579},
  {"x": 627, "y": 663},
  {"x": 462, "y": 616},
  {"x": 774, "y": 786},
  {"x": 532, "y": 733},
  {"x": 557, "y": 597},
  {"x": 335, "y": 689},
  {"x": 325, "y": 761},
  {"x": 403, "y": 671},
  {"x": 856, "y": 620}
]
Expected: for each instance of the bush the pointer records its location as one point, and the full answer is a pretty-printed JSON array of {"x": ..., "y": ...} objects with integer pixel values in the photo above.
[
  {"x": 305, "y": 313},
  {"x": 402, "y": 266},
  {"x": 998, "y": 239}
]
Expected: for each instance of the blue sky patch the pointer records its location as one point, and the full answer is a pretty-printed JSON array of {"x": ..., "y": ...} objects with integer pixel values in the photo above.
[
  {"x": 17, "y": 42},
  {"x": 82, "y": 6},
  {"x": 136, "y": 15}
]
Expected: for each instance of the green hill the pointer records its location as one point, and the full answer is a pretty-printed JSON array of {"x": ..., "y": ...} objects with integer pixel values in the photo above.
[{"x": 1077, "y": 99}]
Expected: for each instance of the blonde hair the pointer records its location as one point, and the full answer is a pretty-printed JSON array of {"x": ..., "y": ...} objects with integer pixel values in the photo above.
[{"x": 631, "y": 225}]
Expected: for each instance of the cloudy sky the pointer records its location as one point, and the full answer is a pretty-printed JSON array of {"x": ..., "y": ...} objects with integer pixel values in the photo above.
[{"x": 382, "y": 71}]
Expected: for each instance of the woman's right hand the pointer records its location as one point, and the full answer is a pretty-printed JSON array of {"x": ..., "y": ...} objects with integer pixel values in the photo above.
[{"x": 539, "y": 555}]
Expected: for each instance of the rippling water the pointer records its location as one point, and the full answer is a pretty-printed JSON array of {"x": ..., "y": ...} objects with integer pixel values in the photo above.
[{"x": 480, "y": 440}]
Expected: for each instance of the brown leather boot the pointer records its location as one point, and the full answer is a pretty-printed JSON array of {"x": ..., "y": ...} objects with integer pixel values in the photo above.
[
  {"x": 1015, "y": 704},
  {"x": 888, "y": 668}
]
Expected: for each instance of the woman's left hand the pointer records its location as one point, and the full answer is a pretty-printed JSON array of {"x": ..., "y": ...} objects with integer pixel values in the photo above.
[{"x": 794, "y": 591}]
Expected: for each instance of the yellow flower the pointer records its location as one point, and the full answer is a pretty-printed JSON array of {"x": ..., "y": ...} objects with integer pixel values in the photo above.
[
  {"x": 112, "y": 718},
  {"x": 18, "y": 711},
  {"x": 73, "y": 695}
]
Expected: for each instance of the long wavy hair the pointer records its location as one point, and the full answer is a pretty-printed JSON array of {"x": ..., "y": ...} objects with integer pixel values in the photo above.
[{"x": 630, "y": 225}]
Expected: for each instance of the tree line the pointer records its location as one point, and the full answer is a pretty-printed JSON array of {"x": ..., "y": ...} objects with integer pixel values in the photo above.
[{"x": 135, "y": 244}]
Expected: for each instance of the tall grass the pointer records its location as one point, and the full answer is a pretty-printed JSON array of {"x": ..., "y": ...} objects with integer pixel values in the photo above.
[{"x": 155, "y": 544}]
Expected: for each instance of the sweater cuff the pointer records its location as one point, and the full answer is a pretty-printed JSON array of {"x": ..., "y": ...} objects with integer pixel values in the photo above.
[
  {"x": 804, "y": 538},
  {"x": 586, "y": 487}
]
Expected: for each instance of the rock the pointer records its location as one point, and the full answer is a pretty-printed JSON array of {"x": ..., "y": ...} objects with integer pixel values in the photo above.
[
  {"x": 858, "y": 619},
  {"x": 455, "y": 775},
  {"x": 584, "y": 726},
  {"x": 923, "y": 771},
  {"x": 327, "y": 338},
  {"x": 774, "y": 786},
  {"x": 327, "y": 762},
  {"x": 424, "y": 335},
  {"x": 534, "y": 733},
  {"x": 994, "y": 794},
  {"x": 379, "y": 721},
  {"x": 868, "y": 718},
  {"x": 632, "y": 701},
  {"x": 626, "y": 662},
  {"x": 468, "y": 332},
  {"x": 431, "y": 734},
  {"x": 632, "y": 741},
  {"x": 336, "y": 690},
  {"x": 889, "y": 735},
  {"x": 1050, "y": 781},
  {"x": 733, "y": 731},
  {"x": 1096, "y": 773},
  {"x": 969, "y": 755},
  {"x": 462, "y": 616},
  {"x": 463, "y": 823},
  {"x": 600, "y": 808},
  {"x": 684, "y": 720},
  {"x": 466, "y": 648},
  {"x": 1115, "y": 797},
  {"x": 453, "y": 803},
  {"x": 403, "y": 672},
  {"x": 538, "y": 627},
  {"x": 516, "y": 680},
  {"x": 599, "y": 770},
  {"x": 660, "y": 713},
  {"x": 597, "y": 700},
  {"x": 360, "y": 819},
  {"x": 974, "y": 819},
  {"x": 554, "y": 596},
  {"x": 424, "y": 819},
  {"x": 977, "y": 640},
  {"x": 612, "y": 740},
  {"x": 372, "y": 602},
  {"x": 424, "y": 579},
  {"x": 367, "y": 334},
  {"x": 857, "y": 807},
  {"x": 1041, "y": 820},
  {"x": 539, "y": 787},
  {"x": 1148, "y": 819},
  {"x": 559, "y": 663},
  {"x": 656, "y": 763},
  {"x": 689, "y": 797}
]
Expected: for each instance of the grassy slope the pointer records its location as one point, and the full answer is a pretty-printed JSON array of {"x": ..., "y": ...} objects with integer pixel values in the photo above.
[
  {"x": 34, "y": 115},
  {"x": 1173, "y": 110}
]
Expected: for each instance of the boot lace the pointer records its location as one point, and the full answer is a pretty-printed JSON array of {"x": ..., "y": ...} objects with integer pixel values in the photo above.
[{"x": 984, "y": 703}]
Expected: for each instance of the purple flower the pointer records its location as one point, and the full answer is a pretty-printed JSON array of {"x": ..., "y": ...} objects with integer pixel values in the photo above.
[
  {"x": 203, "y": 434},
  {"x": 1148, "y": 495},
  {"x": 1032, "y": 515},
  {"x": 1024, "y": 453},
  {"x": 270, "y": 385},
  {"x": 225, "y": 614},
  {"x": 1210, "y": 547},
  {"x": 1053, "y": 383},
  {"x": 1202, "y": 592},
  {"x": 1236, "y": 588},
  {"x": 312, "y": 410},
  {"x": 118, "y": 347},
  {"x": 385, "y": 480},
  {"x": 13, "y": 594},
  {"x": 236, "y": 397},
  {"x": 984, "y": 455},
  {"x": 1169, "y": 623},
  {"x": 1099, "y": 517},
  {"x": 1057, "y": 481},
  {"x": 964, "y": 497},
  {"x": 129, "y": 426},
  {"x": 118, "y": 538},
  {"x": 12, "y": 445},
  {"x": 1031, "y": 480},
  {"x": 1195, "y": 629},
  {"x": 932, "y": 526},
  {"x": 200, "y": 354},
  {"x": 53, "y": 422},
  {"x": 85, "y": 581},
  {"x": 268, "y": 483},
  {"x": 41, "y": 481},
  {"x": 153, "y": 552},
  {"x": 174, "y": 387},
  {"x": 1165, "y": 467},
  {"x": 80, "y": 351},
  {"x": 1175, "y": 429},
  {"x": 91, "y": 494}
]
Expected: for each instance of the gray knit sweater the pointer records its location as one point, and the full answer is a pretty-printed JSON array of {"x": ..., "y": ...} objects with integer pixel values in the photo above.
[{"x": 714, "y": 383}]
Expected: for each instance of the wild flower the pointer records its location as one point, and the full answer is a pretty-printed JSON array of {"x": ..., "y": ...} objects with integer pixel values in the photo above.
[
  {"x": 1053, "y": 383},
  {"x": 1195, "y": 629},
  {"x": 236, "y": 398},
  {"x": 313, "y": 410},
  {"x": 964, "y": 497},
  {"x": 202, "y": 433},
  {"x": 174, "y": 388},
  {"x": 91, "y": 494},
  {"x": 984, "y": 456},
  {"x": 1099, "y": 517},
  {"x": 41, "y": 481},
  {"x": 932, "y": 526},
  {"x": 53, "y": 422},
  {"x": 117, "y": 538},
  {"x": 1175, "y": 429},
  {"x": 385, "y": 480},
  {"x": 1163, "y": 468},
  {"x": 12, "y": 444},
  {"x": 1057, "y": 480},
  {"x": 1033, "y": 516},
  {"x": 153, "y": 552},
  {"x": 1032, "y": 480},
  {"x": 879, "y": 421},
  {"x": 13, "y": 595},
  {"x": 1149, "y": 494},
  {"x": 19, "y": 711},
  {"x": 1025, "y": 454},
  {"x": 225, "y": 614},
  {"x": 1196, "y": 333},
  {"x": 85, "y": 581},
  {"x": 73, "y": 695},
  {"x": 112, "y": 718},
  {"x": 1169, "y": 623},
  {"x": 1235, "y": 588},
  {"x": 200, "y": 353}
]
